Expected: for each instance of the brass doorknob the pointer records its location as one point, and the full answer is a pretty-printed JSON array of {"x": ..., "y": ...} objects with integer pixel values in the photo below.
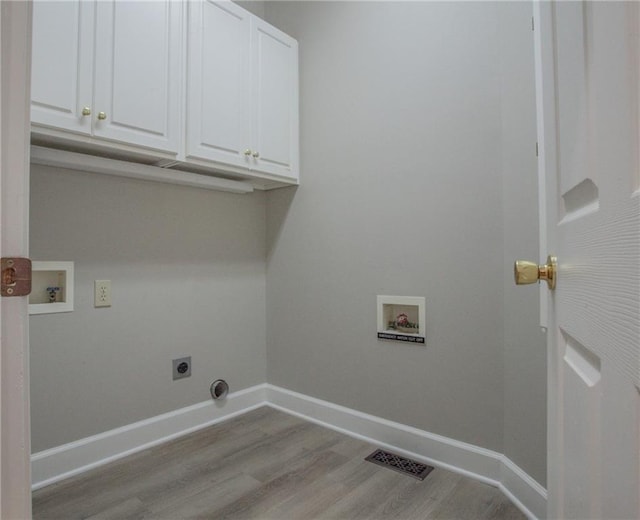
[
  {"x": 102, "y": 116},
  {"x": 526, "y": 272},
  {"x": 86, "y": 111}
]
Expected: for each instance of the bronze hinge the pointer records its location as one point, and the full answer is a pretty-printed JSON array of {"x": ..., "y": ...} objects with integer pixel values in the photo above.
[{"x": 16, "y": 277}]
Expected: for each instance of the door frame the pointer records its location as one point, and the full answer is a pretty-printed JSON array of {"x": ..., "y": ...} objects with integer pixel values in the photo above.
[
  {"x": 547, "y": 207},
  {"x": 15, "y": 93}
]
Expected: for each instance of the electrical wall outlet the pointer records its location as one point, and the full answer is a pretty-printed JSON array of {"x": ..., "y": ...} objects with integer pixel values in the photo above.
[
  {"x": 181, "y": 367},
  {"x": 102, "y": 293}
]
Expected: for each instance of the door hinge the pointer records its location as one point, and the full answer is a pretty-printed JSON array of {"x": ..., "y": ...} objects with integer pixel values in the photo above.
[
  {"x": 16, "y": 277},
  {"x": 536, "y": 148},
  {"x": 533, "y": 27}
]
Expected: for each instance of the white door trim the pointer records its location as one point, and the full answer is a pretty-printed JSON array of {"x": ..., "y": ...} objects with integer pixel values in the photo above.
[
  {"x": 15, "y": 71},
  {"x": 545, "y": 109}
]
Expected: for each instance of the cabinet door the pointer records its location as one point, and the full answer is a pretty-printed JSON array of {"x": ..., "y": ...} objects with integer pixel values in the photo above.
[
  {"x": 138, "y": 69},
  {"x": 274, "y": 101},
  {"x": 61, "y": 73},
  {"x": 218, "y": 83}
]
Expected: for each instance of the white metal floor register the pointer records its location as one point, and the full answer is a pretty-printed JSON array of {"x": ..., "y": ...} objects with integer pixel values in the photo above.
[{"x": 402, "y": 318}]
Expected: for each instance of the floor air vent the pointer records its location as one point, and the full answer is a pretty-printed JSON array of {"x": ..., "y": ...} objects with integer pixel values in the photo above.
[{"x": 401, "y": 464}]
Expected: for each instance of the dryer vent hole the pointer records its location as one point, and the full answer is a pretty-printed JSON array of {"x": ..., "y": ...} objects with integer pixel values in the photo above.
[{"x": 219, "y": 389}]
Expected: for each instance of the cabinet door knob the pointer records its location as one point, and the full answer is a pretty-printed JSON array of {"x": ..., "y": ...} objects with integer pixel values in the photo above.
[
  {"x": 86, "y": 111},
  {"x": 247, "y": 152},
  {"x": 102, "y": 116},
  {"x": 256, "y": 154}
]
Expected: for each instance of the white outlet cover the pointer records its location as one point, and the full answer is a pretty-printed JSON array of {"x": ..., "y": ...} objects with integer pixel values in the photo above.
[{"x": 102, "y": 293}]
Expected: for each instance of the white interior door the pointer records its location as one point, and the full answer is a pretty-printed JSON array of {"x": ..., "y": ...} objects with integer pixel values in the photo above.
[
  {"x": 15, "y": 45},
  {"x": 588, "y": 56}
]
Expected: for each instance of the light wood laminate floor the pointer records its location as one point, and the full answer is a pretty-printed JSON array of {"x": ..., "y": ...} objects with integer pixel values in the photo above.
[{"x": 266, "y": 465}]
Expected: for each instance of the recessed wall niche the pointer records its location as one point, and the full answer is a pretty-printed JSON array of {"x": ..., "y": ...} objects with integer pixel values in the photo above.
[{"x": 51, "y": 287}]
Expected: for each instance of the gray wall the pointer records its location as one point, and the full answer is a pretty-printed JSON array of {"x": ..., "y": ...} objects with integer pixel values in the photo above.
[
  {"x": 418, "y": 178},
  {"x": 187, "y": 268},
  {"x": 400, "y": 194}
]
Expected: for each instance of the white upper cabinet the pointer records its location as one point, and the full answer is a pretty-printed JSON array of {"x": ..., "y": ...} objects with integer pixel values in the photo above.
[
  {"x": 242, "y": 84},
  {"x": 62, "y": 65},
  {"x": 198, "y": 83},
  {"x": 218, "y": 89},
  {"x": 130, "y": 91},
  {"x": 137, "y": 76},
  {"x": 274, "y": 106}
]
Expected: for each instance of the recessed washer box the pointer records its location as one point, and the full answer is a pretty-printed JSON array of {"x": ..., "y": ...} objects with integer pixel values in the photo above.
[
  {"x": 402, "y": 318},
  {"x": 51, "y": 287}
]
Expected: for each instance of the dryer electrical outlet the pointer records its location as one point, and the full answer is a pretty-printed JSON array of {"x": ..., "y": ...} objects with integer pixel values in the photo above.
[{"x": 181, "y": 367}]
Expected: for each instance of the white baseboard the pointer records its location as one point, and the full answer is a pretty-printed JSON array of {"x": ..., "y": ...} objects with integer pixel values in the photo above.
[
  {"x": 479, "y": 463},
  {"x": 524, "y": 491},
  {"x": 65, "y": 461}
]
